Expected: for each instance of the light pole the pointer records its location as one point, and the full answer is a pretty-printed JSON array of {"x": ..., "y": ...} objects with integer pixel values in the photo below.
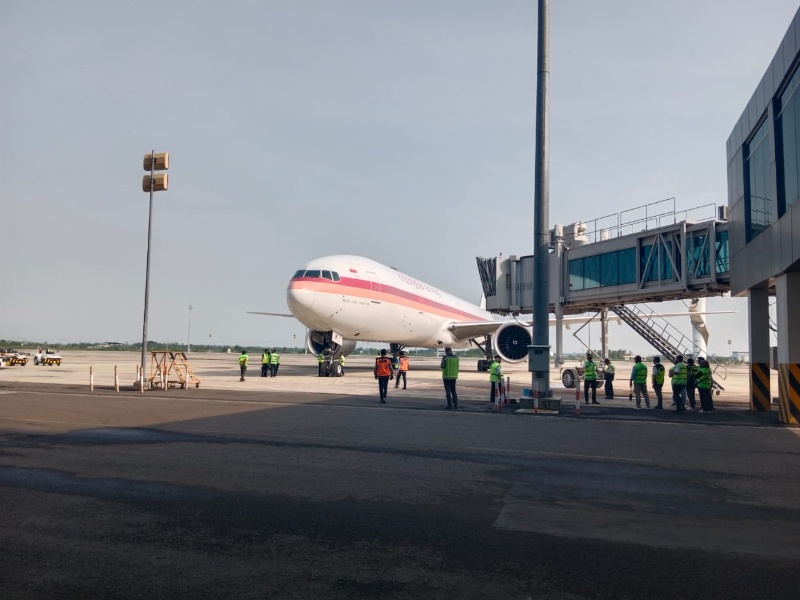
[
  {"x": 154, "y": 182},
  {"x": 189, "y": 335}
]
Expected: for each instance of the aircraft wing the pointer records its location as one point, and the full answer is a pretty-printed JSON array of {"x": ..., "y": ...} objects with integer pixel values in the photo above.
[
  {"x": 469, "y": 330},
  {"x": 272, "y": 314}
]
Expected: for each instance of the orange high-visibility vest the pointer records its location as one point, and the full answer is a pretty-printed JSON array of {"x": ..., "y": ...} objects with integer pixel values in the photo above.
[
  {"x": 404, "y": 363},
  {"x": 383, "y": 366}
]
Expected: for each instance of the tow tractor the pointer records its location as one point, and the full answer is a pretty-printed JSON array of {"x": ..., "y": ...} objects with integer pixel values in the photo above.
[
  {"x": 569, "y": 375},
  {"x": 49, "y": 358},
  {"x": 13, "y": 357}
]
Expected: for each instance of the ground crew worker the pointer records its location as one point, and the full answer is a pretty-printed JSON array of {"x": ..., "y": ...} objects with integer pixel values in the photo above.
[
  {"x": 274, "y": 363},
  {"x": 608, "y": 377},
  {"x": 657, "y": 379},
  {"x": 678, "y": 375},
  {"x": 639, "y": 381},
  {"x": 320, "y": 360},
  {"x": 495, "y": 378},
  {"x": 402, "y": 369},
  {"x": 341, "y": 364},
  {"x": 691, "y": 381},
  {"x": 589, "y": 379},
  {"x": 449, "y": 366},
  {"x": 242, "y": 364},
  {"x": 704, "y": 384},
  {"x": 383, "y": 373},
  {"x": 395, "y": 362},
  {"x": 264, "y": 362}
]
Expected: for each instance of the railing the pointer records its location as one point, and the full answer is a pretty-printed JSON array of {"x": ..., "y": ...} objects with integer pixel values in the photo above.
[{"x": 641, "y": 218}]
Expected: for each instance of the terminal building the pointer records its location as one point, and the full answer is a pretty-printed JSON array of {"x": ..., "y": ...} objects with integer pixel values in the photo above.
[{"x": 763, "y": 153}]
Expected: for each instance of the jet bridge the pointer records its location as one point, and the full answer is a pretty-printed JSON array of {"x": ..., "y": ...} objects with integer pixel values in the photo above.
[{"x": 643, "y": 255}]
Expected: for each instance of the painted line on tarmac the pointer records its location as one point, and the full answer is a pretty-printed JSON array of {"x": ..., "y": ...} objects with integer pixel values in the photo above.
[
  {"x": 53, "y": 422},
  {"x": 266, "y": 435},
  {"x": 563, "y": 455}
]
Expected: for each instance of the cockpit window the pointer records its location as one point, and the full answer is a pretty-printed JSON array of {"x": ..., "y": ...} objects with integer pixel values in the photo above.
[
  {"x": 315, "y": 273},
  {"x": 335, "y": 275},
  {"x": 327, "y": 275},
  {"x": 299, "y": 274}
]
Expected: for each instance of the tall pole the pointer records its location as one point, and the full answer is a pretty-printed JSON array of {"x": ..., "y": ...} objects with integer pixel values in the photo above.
[
  {"x": 541, "y": 206},
  {"x": 147, "y": 268},
  {"x": 189, "y": 335},
  {"x": 153, "y": 182}
]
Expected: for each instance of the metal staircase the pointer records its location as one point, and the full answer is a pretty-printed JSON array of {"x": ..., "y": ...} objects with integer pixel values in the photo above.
[{"x": 663, "y": 336}]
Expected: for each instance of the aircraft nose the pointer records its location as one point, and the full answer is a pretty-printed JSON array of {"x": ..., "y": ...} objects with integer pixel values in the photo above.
[{"x": 299, "y": 300}]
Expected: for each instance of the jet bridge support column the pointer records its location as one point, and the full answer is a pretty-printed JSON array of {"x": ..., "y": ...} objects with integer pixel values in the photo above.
[
  {"x": 787, "y": 287},
  {"x": 758, "y": 326},
  {"x": 559, "y": 335},
  {"x": 604, "y": 333}
]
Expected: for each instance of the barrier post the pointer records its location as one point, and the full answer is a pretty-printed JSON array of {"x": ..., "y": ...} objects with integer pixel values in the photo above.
[
  {"x": 578, "y": 396},
  {"x": 535, "y": 397},
  {"x": 91, "y": 379},
  {"x": 116, "y": 379},
  {"x": 505, "y": 391},
  {"x": 166, "y": 378}
]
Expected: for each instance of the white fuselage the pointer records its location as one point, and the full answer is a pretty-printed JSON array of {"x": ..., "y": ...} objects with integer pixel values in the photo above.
[{"x": 364, "y": 300}]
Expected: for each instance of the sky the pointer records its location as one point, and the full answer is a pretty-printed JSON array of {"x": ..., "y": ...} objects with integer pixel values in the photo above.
[{"x": 401, "y": 130}]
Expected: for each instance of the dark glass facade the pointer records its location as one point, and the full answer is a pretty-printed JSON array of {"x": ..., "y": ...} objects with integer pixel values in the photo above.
[
  {"x": 788, "y": 128},
  {"x": 763, "y": 152},
  {"x": 758, "y": 203}
]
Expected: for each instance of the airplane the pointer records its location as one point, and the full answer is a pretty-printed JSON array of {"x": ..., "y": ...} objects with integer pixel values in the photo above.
[{"x": 345, "y": 299}]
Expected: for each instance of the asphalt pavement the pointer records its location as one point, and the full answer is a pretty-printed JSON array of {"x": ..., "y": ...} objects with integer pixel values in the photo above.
[{"x": 247, "y": 494}]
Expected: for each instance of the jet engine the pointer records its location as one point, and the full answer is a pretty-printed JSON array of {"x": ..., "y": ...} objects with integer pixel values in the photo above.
[
  {"x": 317, "y": 340},
  {"x": 511, "y": 342}
]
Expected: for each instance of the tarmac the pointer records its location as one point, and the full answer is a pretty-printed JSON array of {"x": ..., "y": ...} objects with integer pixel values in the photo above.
[
  {"x": 298, "y": 373},
  {"x": 306, "y": 487}
]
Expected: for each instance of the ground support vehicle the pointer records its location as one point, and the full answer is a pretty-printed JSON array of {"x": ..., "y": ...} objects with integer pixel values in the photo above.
[
  {"x": 47, "y": 359},
  {"x": 569, "y": 375},
  {"x": 12, "y": 357}
]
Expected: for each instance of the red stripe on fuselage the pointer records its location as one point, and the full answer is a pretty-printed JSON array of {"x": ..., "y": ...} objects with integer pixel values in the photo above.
[{"x": 364, "y": 289}]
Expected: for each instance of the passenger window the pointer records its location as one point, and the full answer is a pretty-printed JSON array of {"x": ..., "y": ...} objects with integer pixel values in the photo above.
[{"x": 327, "y": 275}]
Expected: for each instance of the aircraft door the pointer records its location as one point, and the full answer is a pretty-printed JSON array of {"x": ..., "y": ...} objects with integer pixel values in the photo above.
[{"x": 374, "y": 285}]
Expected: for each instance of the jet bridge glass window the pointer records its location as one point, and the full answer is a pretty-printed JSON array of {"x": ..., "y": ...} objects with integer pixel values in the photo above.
[
  {"x": 788, "y": 144},
  {"x": 723, "y": 264},
  {"x": 609, "y": 273},
  {"x": 757, "y": 183},
  {"x": 601, "y": 270},
  {"x": 627, "y": 265},
  {"x": 591, "y": 271},
  {"x": 697, "y": 258},
  {"x": 576, "y": 274}
]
